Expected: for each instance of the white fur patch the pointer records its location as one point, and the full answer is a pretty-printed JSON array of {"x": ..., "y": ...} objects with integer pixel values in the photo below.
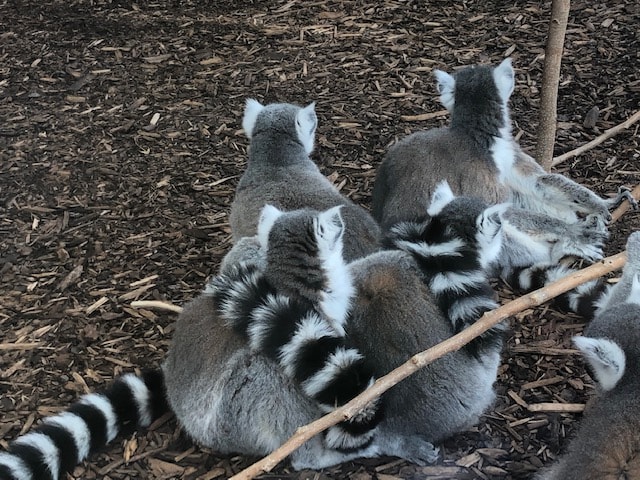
[
  {"x": 78, "y": 429},
  {"x": 310, "y": 329},
  {"x": 503, "y": 154},
  {"x": 440, "y": 198},
  {"x": 427, "y": 250},
  {"x": 339, "y": 360},
  {"x": 48, "y": 449},
  {"x": 605, "y": 357},
  {"x": 470, "y": 307},
  {"x": 306, "y": 123},
  {"x": 336, "y": 298},
  {"x": 268, "y": 217},
  {"x": 16, "y": 466},
  {"x": 103, "y": 404},
  {"x": 251, "y": 111},
  {"x": 446, "y": 87},
  {"x": 458, "y": 282},
  {"x": 263, "y": 318},
  {"x": 142, "y": 397}
]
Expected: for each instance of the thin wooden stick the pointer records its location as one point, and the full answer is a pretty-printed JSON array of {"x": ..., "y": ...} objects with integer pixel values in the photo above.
[
  {"x": 419, "y": 360},
  {"x": 556, "y": 407},
  {"x": 622, "y": 209},
  {"x": 598, "y": 140},
  {"x": 548, "y": 116},
  {"x": 424, "y": 116},
  {"x": 156, "y": 304}
]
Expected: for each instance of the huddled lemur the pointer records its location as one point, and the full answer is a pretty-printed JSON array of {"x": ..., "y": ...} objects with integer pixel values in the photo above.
[
  {"x": 281, "y": 173},
  {"x": 551, "y": 215},
  {"x": 607, "y": 445}
]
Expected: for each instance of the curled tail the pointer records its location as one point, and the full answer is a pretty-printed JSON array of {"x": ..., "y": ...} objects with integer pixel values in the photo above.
[
  {"x": 582, "y": 300},
  {"x": 310, "y": 349},
  {"x": 452, "y": 270},
  {"x": 59, "y": 443}
]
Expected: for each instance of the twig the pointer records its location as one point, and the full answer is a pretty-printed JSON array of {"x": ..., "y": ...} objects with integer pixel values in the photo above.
[
  {"x": 556, "y": 407},
  {"x": 550, "y": 79},
  {"x": 423, "y": 116},
  {"x": 156, "y": 304},
  {"x": 622, "y": 209},
  {"x": 598, "y": 140},
  {"x": 419, "y": 360}
]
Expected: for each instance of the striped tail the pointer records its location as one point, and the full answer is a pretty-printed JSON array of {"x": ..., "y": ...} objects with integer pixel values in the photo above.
[
  {"x": 305, "y": 344},
  {"x": 582, "y": 300},
  {"x": 59, "y": 443},
  {"x": 452, "y": 270}
]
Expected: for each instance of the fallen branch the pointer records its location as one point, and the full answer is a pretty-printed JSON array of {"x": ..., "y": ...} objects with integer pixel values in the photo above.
[
  {"x": 157, "y": 304},
  {"x": 622, "y": 209},
  {"x": 422, "y": 359},
  {"x": 598, "y": 140}
]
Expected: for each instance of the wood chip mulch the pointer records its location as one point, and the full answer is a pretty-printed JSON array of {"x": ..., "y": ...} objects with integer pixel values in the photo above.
[{"x": 120, "y": 148}]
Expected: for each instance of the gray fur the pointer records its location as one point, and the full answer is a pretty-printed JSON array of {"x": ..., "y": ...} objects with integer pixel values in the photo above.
[
  {"x": 281, "y": 173},
  {"x": 395, "y": 317},
  {"x": 607, "y": 444}
]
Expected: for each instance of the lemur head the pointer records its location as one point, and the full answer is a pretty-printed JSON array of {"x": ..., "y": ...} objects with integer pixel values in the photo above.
[
  {"x": 478, "y": 91},
  {"x": 469, "y": 219},
  {"x": 611, "y": 342},
  {"x": 281, "y": 118},
  {"x": 304, "y": 256}
]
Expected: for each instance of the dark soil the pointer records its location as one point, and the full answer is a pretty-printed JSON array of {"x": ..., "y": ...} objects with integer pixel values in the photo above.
[{"x": 120, "y": 148}]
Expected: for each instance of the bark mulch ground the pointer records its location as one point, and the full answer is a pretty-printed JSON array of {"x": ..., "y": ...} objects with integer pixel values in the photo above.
[{"x": 120, "y": 148}]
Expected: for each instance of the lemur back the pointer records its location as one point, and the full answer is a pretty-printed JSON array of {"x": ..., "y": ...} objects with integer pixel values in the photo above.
[
  {"x": 607, "y": 445},
  {"x": 281, "y": 173}
]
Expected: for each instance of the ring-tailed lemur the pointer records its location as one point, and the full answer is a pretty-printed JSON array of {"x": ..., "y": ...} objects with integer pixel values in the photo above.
[
  {"x": 607, "y": 444},
  {"x": 478, "y": 156},
  {"x": 294, "y": 311},
  {"x": 281, "y": 173}
]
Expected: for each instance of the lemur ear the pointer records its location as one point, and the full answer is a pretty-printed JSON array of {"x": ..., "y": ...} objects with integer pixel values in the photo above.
[
  {"x": 306, "y": 123},
  {"x": 504, "y": 77},
  {"x": 329, "y": 227},
  {"x": 495, "y": 212},
  {"x": 605, "y": 357},
  {"x": 441, "y": 197},
  {"x": 251, "y": 111},
  {"x": 446, "y": 85},
  {"x": 634, "y": 294},
  {"x": 268, "y": 217}
]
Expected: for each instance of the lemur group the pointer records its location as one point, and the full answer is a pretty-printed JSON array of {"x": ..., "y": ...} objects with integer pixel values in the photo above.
[{"x": 319, "y": 296}]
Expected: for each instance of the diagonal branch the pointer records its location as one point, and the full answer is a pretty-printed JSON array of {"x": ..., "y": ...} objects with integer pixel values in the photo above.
[{"x": 422, "y": 359}]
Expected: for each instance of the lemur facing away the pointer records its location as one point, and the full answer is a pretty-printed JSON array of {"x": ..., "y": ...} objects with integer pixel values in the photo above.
[
  {"x": 248, "y": 397},
  {"x": 280, "y": 173},
  {"x": 607, "y": 444},
  {"x": 294, "y": 311},
  {"x": 478, "y": 156}
]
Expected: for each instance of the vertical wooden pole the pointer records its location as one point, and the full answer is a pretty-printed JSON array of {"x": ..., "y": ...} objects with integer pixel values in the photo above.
[{"x": 550, "y": 80}]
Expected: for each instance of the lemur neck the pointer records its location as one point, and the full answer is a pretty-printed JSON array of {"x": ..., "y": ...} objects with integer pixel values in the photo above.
[
  {"x": 483, "y": 128},
  {"x": 276, "y": 149}
]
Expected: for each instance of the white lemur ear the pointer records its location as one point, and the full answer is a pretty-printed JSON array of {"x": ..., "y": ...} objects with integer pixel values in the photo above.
[
  {"x": 329, "y": 228},
  {"x": 306, "y": 123},
  {"x": 634, "y": 294},
  {"x": 504, "y": 77},
  {"x": 251, "y": 110},
  {"x": 446, "y": 88},
  {"x": 441, "y": 197},
  {"x": 605, "y": 357},
  {"x": 268, "y": 217}
]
